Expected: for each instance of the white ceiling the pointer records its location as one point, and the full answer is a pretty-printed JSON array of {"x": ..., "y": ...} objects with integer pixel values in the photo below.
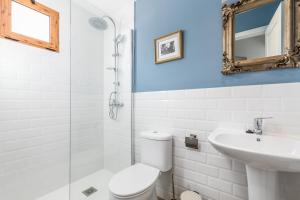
[{"x": 110, "y": 6}]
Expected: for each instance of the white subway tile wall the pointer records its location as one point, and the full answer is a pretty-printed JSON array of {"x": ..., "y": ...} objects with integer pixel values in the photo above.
[
  {"x": 35, "y": 107},
  {"x": 199, "y": 112},
  {"x": 34, "y": 115}
]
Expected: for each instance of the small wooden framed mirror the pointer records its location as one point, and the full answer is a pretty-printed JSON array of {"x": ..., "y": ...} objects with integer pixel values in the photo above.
[
  {"x": 30, "y": 22},
  {"x": 261, "y": 35}
]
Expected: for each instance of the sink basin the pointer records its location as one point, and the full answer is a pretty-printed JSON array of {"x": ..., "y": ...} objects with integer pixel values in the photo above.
[
  {"x": 264, "y": 157},
  {"x": 266, "y": 152}
]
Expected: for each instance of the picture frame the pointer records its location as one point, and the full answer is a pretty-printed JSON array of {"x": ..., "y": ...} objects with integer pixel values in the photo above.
[
  {"x": 169, "y": 47},
  {"x": 34, "y": 14}
]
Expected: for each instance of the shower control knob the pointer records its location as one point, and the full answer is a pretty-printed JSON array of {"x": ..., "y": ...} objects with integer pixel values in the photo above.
[{"x": 111, "y": 68}]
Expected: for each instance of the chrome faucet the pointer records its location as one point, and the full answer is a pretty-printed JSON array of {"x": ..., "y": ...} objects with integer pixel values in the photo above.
[{"x": 258, "y": 125}]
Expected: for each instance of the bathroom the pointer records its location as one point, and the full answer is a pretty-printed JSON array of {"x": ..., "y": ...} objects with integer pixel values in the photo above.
[{"x": 149, "y": 99}]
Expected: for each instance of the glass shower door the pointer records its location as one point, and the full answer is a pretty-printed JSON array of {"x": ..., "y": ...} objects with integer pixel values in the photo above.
[
  {"x": 35, "y": 115},
  {"x": 101, "y": 68}
]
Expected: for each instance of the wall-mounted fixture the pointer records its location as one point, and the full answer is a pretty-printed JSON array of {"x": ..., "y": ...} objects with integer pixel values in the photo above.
[
  {"x": 272, "y": 41},
  {"x": 192, "y": 142},
  {"x": 30, "y": 22},
  {"x": 114, "y": 102}
]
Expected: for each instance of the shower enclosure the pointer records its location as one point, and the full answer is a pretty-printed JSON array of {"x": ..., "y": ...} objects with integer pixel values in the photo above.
[
  {"x": 65, "y": 118},
  {"x": 101, "y": 63}
]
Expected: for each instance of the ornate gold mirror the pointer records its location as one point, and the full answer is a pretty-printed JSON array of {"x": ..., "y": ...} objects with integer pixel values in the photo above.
[{"x": 261, "y": 35}]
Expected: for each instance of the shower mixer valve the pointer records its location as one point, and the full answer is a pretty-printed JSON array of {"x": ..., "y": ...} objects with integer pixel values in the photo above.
[
  {"x": 116, "y": 104},
  {"x": 115, "y": 55}
]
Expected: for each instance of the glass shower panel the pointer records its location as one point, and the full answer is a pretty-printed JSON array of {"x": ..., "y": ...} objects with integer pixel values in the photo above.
[
  {"x": 35, "y": 116},
  {"x": 101, "y": 68}
]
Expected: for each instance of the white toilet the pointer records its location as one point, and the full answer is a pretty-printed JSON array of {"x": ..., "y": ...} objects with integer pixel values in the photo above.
[{"x": 138, "y": 181}]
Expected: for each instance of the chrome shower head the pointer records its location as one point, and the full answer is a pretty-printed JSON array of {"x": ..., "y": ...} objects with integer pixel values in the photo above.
[{"x": 98, "y": 23}]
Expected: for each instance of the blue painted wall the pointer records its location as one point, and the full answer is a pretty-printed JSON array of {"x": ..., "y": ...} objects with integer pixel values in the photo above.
[{"x": 201, "y": 22}]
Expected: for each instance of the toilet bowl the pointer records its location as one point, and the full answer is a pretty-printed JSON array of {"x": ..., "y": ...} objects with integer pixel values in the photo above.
[
  {"x": 134, "y": 183},
  {"x": 138, "y": 182}
]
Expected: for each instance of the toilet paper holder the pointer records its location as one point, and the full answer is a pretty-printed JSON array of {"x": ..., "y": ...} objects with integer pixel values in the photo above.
[{"x": 192, "y": 142}]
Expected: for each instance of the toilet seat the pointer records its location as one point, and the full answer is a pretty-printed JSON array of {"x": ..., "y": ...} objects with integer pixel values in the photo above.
[{"x": 133, "y": 181}]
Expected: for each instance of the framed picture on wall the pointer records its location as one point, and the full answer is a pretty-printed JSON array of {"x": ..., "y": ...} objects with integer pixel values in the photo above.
[{"x": 169, "y": 47}]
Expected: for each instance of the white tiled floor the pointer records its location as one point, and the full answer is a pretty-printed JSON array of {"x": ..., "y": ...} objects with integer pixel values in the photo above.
[{"x": 98, "y": 180}]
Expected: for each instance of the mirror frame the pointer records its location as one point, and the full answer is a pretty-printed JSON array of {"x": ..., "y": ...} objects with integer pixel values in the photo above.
[
  {"x": 6, "y": 23},
  {"x": 291, "y": 56}
]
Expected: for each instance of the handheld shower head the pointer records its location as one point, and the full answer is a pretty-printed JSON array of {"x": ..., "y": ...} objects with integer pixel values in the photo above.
[{"x": 119, "y": 39}]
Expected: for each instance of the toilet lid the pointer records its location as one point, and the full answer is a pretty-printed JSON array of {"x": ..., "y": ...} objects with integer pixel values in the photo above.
[{"x": 133, "y": 180}]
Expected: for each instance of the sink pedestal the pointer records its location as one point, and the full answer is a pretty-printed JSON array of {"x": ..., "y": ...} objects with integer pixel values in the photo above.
[{"x": 262, "y": 184}]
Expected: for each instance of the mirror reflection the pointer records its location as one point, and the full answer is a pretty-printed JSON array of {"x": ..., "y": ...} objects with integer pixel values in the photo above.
[{"x": 260, "y": 32}]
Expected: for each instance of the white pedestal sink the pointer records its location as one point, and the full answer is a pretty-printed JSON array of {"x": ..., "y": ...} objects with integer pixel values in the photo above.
[{"x": 264, "y": 157}]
